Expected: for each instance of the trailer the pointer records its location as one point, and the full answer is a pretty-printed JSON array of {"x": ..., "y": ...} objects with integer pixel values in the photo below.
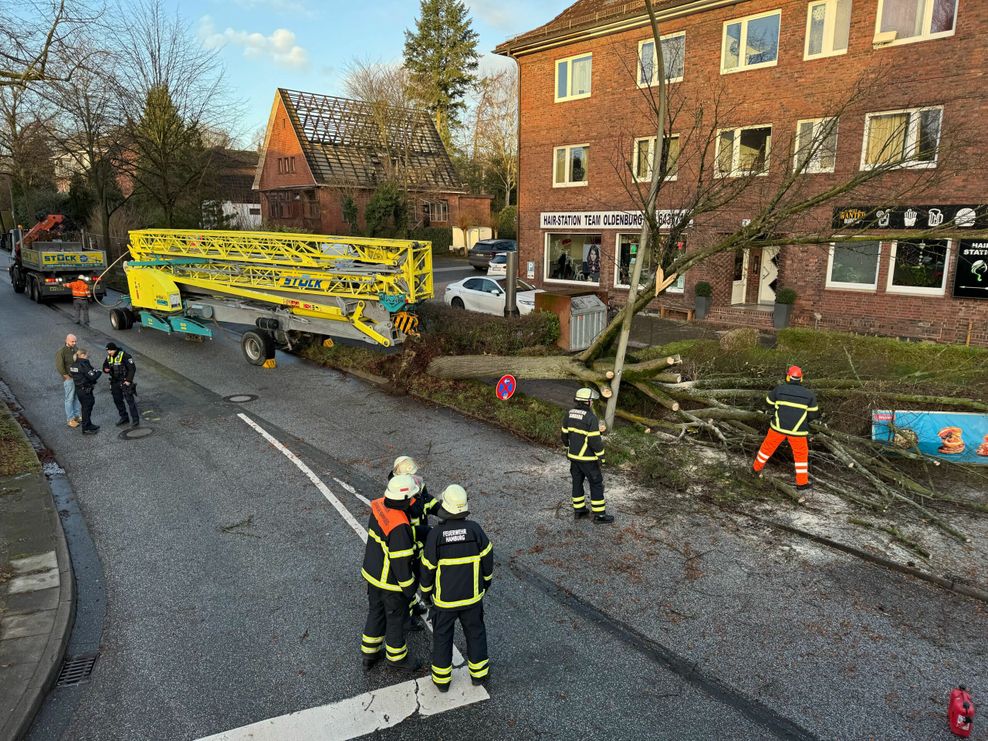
[{"x": 290, "y": 289}]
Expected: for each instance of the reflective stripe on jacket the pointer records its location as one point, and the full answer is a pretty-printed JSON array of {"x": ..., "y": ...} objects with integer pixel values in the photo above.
[
  {"x": 458, "y": 561},
  {"x": 581, "y": 435},
  {"x": 795, "y": 407},
  {"x": 120, "y": 367},
  {"x": 388, "y": 556}
]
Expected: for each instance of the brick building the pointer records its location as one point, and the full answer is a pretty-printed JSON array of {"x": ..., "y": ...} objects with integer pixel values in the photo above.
[
  {"x": 766, "y": 75},
  {"x": 321, "y": 153}
]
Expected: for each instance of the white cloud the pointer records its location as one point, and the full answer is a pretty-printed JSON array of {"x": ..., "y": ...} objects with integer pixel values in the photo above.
[
  {"x": 280, "y": 46},
  {"x": 513, "y": 16}
]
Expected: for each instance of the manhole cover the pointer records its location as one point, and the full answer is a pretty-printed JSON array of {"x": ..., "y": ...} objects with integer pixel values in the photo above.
[
  {"x": 76, "y": 670},
  {"x": 240, "y": 398},
  {"x": 136, "y": 433}
]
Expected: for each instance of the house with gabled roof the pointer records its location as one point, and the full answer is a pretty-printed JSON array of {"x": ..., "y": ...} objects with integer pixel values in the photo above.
[{"x": 325, "y": 156}]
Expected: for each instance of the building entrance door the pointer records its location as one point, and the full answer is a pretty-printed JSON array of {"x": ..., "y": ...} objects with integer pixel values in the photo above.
[
  {"x": 768, "y": 279},
  {"x": 739, "y": 288}
]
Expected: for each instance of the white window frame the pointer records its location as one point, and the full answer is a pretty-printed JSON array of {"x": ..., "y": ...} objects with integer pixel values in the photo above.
[
  {"x": 634, "y": 159},
  {"x": 912, "y": 136},
  {"x": 736, "y": 152},
  {"x": 914, "y": 290},
  {"x": 888, "y": 38},
  {"x": 835, "y": 285},
  {"x": 546, "y": 262},
  {"x": 627, "y": 286},
  {"x": 828, "y": 30},
  {"x": 568, "y": 61},
  {"x": 569, "y": 167},
  {"x": 744, "y": 21},
  {"x": 655, "y": 60},
  {"x": 812, "y": 169}
]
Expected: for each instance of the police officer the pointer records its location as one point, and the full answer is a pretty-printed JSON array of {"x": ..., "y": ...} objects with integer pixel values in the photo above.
[
  {"x": 421, "y": 506},
  {"x": 585, "y": 450},
  {"x": 391, "y": 583},
  {"x": 85, "y": 377},
  {"x": 120, "y": 367},
  {"x": 794, "y": 407},
  {"x": 457, "y": 568}
]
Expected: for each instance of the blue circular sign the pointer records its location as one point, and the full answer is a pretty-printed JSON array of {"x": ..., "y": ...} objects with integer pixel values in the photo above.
[{"x": 506, "y": 387}]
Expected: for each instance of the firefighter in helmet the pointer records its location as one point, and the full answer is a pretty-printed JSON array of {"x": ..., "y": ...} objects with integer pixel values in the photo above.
[
  {"x": 581, "y": 434},
  {"x": 794, "y": 407}
]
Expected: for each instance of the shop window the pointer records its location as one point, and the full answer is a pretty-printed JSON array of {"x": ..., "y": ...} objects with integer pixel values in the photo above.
[
  {"x": 828, "y": 26},
  {"x": 743, "y": 151},
  {"x": 750, "y": 43},
  {"x": 854, "y": 265},
  {"x": 644, "y": 152},
  {"x": 907, "y": 138},
  {"x": 673, "y": 59},
  {"x": 919, "y": 267},
  {"x": 573, "y": 257},
  {"x": 816, "y": 145},
  {"x": 906, "y": 21},
  {"x": 570, "y": 166},
  {"x": 628, "y": 252},
  {"x": 573, "y": 77}
]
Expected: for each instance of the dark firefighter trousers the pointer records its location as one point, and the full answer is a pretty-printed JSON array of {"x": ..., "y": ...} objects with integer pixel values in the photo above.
[
  {"x": 123, "y": 397},
  {"x": 589, "y": 470},
  {"x": 385, "y": 627},
  {"x": 472, "y": 621},
  {"x": 86, "y": 403}
]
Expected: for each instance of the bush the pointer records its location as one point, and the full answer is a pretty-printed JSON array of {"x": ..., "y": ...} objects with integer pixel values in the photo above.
[
  {"x": 742, "y": 338},
  {"x": 455, "y": 332},
  {"x": 785, "y": 296},
  {"x": 507, "y": 223},
  {"x": 704, "y": 289},
  {"x": 440, "y": 236}
]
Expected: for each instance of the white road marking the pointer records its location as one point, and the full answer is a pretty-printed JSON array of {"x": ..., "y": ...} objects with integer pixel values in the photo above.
[{"x": 370, "y": 711}]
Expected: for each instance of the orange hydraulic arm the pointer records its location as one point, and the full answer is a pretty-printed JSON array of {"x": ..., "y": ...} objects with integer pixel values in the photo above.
[{"x": 45, "y": 225}]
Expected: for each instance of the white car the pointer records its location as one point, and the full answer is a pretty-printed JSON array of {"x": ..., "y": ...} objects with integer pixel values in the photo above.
[
  {"x": 486, "y": 295},
  {"x": 498, "y": 266}
]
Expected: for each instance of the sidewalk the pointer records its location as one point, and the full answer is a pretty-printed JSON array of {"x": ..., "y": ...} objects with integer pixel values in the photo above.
[{"x": 36, "y": 595}]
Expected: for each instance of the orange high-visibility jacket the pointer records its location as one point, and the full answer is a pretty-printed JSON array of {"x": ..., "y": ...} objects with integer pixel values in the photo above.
[{"x": 80, "y": 289}]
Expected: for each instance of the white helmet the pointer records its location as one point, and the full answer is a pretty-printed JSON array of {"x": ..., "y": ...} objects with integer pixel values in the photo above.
[
  {"x": 82, "y": 277},
  {"x": 454, "y": 499},
  {"x": 404, "y": 464},
  {"x": 401, "y": 488}
]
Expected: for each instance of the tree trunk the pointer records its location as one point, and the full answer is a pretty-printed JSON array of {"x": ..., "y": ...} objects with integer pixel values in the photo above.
[{"x": 526, "y": 368}]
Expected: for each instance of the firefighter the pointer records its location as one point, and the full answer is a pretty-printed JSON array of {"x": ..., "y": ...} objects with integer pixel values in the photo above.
[
  {"x": 794, "y": 408},
  {"x": 585, "y": 450},
  {"x": 85, "y": 377},
  {"x": 80, "y": 299},
  {"x": 120, "y": 367},
  {"x": 390, "y": 579},
  {"x": 457, "y": 567},
  {"x": 419, "y": 509}
]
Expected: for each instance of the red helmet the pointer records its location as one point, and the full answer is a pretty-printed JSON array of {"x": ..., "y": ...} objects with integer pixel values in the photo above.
[{"x": 795, "y": 372}]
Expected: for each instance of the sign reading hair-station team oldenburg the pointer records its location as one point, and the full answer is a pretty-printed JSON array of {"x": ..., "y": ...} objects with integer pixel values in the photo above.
[{"x": 971, "y": 278}]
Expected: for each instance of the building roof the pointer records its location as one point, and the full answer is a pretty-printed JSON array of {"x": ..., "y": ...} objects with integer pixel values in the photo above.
[
  {"x": 354, "y": 143},
  {"x": 233, "y": 171}
]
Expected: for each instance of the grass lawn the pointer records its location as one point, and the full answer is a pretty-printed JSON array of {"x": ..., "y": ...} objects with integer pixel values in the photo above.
[{"x": 16, "y": 454}]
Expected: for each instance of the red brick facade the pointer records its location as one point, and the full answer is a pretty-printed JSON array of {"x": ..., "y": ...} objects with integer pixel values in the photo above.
[{"x": 946, "y": 71}]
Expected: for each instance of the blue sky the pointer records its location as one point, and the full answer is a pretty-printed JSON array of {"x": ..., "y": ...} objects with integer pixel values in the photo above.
[{"x": 307, "y": 44}]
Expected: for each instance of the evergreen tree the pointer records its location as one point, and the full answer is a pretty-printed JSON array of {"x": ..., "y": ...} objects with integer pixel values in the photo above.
[{"x": 441, "y": 57}]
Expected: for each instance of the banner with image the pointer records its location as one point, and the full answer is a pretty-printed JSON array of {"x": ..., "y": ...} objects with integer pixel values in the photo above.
[{"x": 961, "y": 437}]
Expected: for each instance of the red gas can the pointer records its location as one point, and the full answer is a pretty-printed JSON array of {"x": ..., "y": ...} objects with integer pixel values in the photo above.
[{"x": 960, "y": 712}]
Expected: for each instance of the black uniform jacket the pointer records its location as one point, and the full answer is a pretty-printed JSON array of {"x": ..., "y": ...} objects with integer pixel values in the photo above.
[
  {"x": 458, "y": 563},
  {"x": 390, "y": 548},
  {"x": 795, "y": 407},
  {"x": 84, "y": 375},
  {"x": 581, "y": 435},
  {"x": 120, "y": 367}
]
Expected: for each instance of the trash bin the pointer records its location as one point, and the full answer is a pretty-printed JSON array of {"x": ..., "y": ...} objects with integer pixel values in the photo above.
[{"x": 581, "y": 317}]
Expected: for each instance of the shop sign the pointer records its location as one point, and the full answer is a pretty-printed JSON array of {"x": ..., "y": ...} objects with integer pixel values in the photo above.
[
  {"x": 606, "y": 219},
  {"x": 971, "y": 277},
  {"x": 904, "y": 218}
]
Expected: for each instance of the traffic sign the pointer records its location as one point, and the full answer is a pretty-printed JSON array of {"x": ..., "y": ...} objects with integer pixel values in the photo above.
[{"x": 506, "y": 387}]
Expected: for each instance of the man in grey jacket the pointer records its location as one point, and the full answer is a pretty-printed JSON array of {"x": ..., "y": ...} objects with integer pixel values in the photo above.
[{"x": 63, "y": 359}]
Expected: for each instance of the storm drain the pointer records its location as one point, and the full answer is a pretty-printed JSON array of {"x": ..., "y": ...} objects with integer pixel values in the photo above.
[
  {"x": 136, "y": 433},
  {"x": 76, "y": 670},
  {"x": 240, "y": 398}
]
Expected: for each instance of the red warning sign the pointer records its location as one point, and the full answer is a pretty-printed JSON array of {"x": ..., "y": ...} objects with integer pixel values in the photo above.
[{"x": 506, "y": 387}]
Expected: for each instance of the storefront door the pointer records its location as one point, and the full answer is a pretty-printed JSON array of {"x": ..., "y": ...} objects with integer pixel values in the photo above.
[
  {"x": 739, "y": 288},
  {"x": 769, "y": 276}
]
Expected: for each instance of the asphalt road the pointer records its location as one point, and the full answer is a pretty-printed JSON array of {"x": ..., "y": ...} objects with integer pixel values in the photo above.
[{"x": 234, "y": 595}]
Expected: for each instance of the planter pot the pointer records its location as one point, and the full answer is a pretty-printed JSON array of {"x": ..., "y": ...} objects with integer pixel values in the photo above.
[
  {"x": 780, "y": 315},
  {"x": 702, "y": 307}
]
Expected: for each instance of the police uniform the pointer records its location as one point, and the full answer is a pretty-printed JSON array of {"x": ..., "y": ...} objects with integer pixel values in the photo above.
[
  {"x": 120, "y": 367},
  {"x": 585, "y": 450},
  {"x": 457, "y": 568},
  {"x": 794, "y": 407},
  {"x": 85, "y": 377}
]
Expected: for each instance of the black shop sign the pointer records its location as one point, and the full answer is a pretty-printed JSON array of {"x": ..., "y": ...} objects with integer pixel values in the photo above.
[
  {"x": 905, "y": 218},
  {"x": 971, "y": 278}
]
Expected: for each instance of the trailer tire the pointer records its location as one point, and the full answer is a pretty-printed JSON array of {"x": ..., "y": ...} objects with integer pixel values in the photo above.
[
  {"x": 17, "y": 281},
  {"x": 118, "y": 319},
  {"x": 129, "y": 318},
  {"x": 257, "y": 346}
]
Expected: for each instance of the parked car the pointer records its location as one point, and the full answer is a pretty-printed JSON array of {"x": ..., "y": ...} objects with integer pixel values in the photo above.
[
  {"x": 486, "y": 295},
  {"x": 481, "y": 253},
  {"x": 498, "y": 267}
]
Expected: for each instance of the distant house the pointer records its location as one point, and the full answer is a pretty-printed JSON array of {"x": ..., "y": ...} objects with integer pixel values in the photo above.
[
  {"x": 237, "y": 204},
  {"x": 323, "y": 157}
]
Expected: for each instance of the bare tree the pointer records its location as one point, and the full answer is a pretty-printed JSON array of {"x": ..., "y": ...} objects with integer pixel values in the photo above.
[
  {"x": 33, "y": 35},
  {"x": 495, "y": 134},
  {"x": 26, "y": 155}
]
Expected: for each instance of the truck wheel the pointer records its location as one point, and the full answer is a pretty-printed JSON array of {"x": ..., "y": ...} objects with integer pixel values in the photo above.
[
  {"x": 17, "y": 281},
  {"x": 34, "y": 291},
  {"x": 118, "y": 319},
  {"x": 257, "y": 345}
]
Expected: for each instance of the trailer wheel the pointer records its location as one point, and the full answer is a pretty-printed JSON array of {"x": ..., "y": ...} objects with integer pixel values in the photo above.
[
  {"x": 129, "y": 318},
  {"x": 17, "y": 281},
  {"x": 118, "y": 319},
  {"x": 257, "y": 345}
]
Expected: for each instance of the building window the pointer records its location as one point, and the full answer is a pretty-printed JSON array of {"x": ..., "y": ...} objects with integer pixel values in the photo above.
[
  {"x": 628, "y": 253},
  {"x": 854, "y": 265},
  {"x": 828, "y": 26},
  {"x": 750, "y": 43},
  {"x": 254, "y": 210},
  {"x": 570, "y": 165},
  {"x": 743, "y": 151},
  {"x": 908, "y": 138},
  {"x": 919, "y": 268},
  {"x": 673, "y": 59},
  {"x": 906, "y": 21},
  {"x": 644, "y": 152},
  {"x": 816, "y": 145},
  {"x": 281, "y": 165},
  {"x": 436, "y": 212},
  {"x": 573, "y": 77},
  {"x": 291, "y": 164},
  {"x": 573, "y": 257}
]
